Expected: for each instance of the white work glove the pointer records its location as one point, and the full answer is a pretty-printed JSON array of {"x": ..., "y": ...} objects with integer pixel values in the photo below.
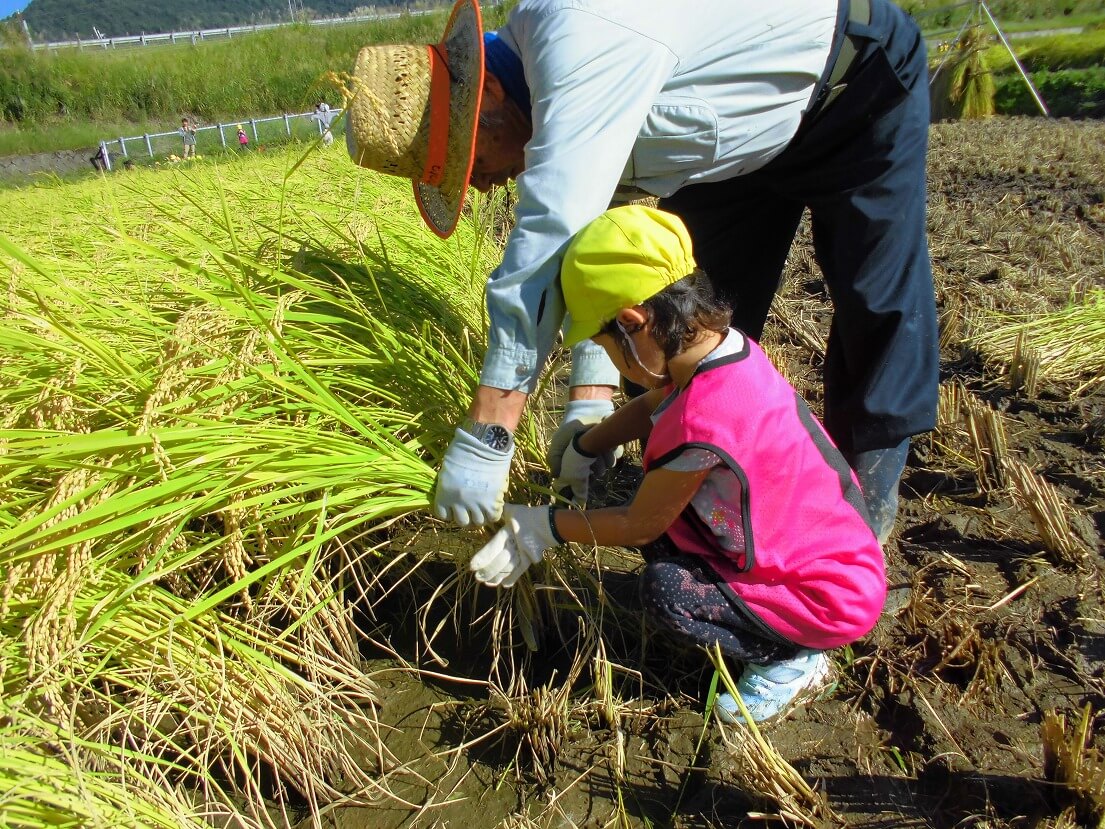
[
  {"x": 576, "y": 469},
  {"x": 526, "y": 534},
  {"x": 579, "y": 415},
  {"x": 471, "y": 485}
]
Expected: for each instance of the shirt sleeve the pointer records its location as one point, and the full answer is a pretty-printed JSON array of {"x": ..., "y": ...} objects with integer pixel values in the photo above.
[
  {"x": 694, "y": 459},
  {"x": 592, "y": 82},
  {"x": 591, "y": 367}
]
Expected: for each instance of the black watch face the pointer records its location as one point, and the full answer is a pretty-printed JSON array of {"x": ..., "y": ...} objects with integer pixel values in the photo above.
[{"x": 498, "y": 438}]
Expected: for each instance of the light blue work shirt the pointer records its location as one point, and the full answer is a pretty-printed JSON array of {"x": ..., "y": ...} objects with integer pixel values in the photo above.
[{"x": 645, "y": 94}]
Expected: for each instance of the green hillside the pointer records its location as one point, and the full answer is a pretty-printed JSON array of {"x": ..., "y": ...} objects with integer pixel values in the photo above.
[{"x": 65, "y": 19}]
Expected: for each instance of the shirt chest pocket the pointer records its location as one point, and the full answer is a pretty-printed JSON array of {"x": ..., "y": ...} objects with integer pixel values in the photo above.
[{"x": 679, "y": 135}]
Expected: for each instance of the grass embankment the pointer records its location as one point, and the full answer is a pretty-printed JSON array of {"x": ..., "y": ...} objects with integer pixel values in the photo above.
[
  {"x": 1013, "y": 14},
  {"x": 219, "y": 384},
  {"x": 1068, "y": 70},
  {"x": 73, "y": 99}
]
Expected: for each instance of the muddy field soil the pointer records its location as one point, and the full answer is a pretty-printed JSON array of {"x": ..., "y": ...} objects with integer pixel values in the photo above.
[{"x": 936, "y": 718}]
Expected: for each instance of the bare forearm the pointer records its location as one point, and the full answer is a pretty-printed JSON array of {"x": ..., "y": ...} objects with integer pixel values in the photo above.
[
  {"x": 631, "y": 422},
  {"x": 661, "y": 498},
  {"x": 502, "y": 406},
  {"x": 591, "y": 393},
  {"x": 609, "y": 527}
]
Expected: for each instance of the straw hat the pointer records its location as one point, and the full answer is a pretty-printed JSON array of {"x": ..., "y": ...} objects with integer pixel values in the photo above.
[{"x": 414, "y": 110}]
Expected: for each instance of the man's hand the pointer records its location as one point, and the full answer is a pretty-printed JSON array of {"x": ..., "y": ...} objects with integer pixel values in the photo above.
[
  {"x": 471, "y": 485},
  {"x": 579, "y": 415},
  {"x": 526, "y": 535}
]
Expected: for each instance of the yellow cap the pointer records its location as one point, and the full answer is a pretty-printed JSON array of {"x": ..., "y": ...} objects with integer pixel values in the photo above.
[{"x": 619, "y": 260}]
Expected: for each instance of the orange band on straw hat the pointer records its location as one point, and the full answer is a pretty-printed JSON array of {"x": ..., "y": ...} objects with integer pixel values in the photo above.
[
  {"x": 415, "y": 110},
  {"x": 438, "y": 147}
]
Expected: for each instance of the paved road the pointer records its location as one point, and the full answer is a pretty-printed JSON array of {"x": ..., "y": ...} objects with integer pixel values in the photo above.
[{"x": 1070, "y": 30}]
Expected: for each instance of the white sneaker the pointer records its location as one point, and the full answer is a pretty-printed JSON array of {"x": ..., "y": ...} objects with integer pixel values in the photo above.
[{"x": 770, "y": 690}]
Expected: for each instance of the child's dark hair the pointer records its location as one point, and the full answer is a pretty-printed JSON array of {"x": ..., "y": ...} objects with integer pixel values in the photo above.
[{"x": 680, "y": 312}]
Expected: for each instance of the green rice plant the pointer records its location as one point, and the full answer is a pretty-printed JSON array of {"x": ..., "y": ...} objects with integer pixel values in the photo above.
[
  {"x": 45, "y": 784},
  {"x": 1074, "y": 765},
  {"x": 1013, "y": 14},
  {"x": 221, "y": 386},
  {"x": 1070, "y": 342}
]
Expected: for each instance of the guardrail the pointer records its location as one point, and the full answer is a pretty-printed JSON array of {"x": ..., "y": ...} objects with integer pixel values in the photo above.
[
  {"x": 154, "y": 144},
  {"x": 193, "y": 37}
]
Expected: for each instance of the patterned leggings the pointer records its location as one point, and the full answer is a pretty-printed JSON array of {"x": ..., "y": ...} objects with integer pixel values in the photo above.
[{"x": 680, "y": 595}]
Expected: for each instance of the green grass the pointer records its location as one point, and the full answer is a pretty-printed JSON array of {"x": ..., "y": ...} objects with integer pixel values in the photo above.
[
  {"x": 107, "y": 94},
  {"x": 70, "y": 134},
  {"x": 1088, "y": 21},
  {"x": 1051, "y": 53},
  {"x": 212, "y": 80},
  {"x": 1069, "y": 93},
  {"x": 938, "y": 14}
]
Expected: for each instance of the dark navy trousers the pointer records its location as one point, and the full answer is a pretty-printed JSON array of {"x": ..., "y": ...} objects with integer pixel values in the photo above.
[{"x": 858, "y": 164}]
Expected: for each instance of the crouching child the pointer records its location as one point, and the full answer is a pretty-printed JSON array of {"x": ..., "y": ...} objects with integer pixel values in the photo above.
[{"x": 771, "y": 553}]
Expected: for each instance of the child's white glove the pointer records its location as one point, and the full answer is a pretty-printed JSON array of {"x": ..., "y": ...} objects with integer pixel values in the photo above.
[
  {"x": 576, "y": 469},
  {"x": 525, "y": 536},
  {"x": 579, "y": 415}
]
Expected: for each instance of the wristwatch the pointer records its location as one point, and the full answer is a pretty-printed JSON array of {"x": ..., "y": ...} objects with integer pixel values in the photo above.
[{"x": 493, "y": 435}]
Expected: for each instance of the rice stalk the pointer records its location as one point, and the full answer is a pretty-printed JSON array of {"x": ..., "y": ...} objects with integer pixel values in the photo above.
[
  {"x": 1049, "y": 514},
  {"x": 799, "y": 325},
  {"x": 987, "y": 438},
  {"x": 1071, "y": 762},
  {"x": 195, "y": 688},
  {"x": 950, "y": 403},
  {"x": 47, "y": 781},
  {"x": 1070, "y": 342},
  {"x": 965, "y": 87},
  {"x": 1024, "y": 367},
  {"x": 192, "y": 492},
  {"x": 762, "y": 773},
  {"x": 951, "y": 325}
]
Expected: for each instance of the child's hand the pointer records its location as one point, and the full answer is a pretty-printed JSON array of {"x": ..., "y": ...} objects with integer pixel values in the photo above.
[
  {"x": 579, "y": 415},
  {"x": 499, "y": 562},
  {"x": 526, "y": 535},
  {"x": 576, "y": 469}
]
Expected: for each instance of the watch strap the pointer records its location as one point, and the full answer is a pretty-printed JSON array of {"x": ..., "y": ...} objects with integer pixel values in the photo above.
[{"x": 480, "y": 430}]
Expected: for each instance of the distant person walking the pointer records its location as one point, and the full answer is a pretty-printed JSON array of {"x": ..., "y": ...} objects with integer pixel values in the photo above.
[
  {"x": 101, "y": 161},
  {"x": 323, "y": 115},
  {"x": 243, "y": 139},
  {"x": 188, "y": 136}
]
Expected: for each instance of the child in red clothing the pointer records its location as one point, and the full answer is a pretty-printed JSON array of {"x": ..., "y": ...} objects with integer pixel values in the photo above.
[{"x": 774, "y": 556}]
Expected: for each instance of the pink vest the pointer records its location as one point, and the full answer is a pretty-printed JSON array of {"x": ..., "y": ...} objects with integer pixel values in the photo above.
[{"x": 811, "y": 569}]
